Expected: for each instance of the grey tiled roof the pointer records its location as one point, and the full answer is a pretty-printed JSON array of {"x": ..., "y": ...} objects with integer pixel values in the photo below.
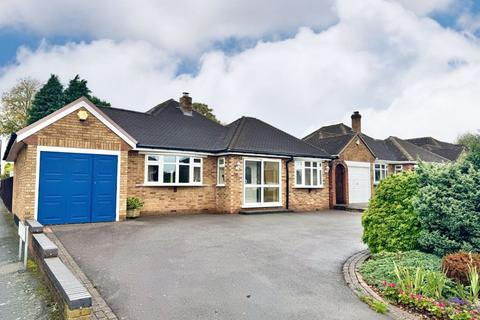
[
  {"x": 334, "y": 138},
  {"x": 333, "y": 145},
  {"x": 166, "y": 127},
  {"x": 415, "y": 153},
  {"x": 447, "y": 150},
  {"x": 252, "y": 135}
]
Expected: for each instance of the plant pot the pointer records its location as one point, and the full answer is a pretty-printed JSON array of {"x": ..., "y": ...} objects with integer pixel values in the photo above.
[{"x": 133, "y": 213}]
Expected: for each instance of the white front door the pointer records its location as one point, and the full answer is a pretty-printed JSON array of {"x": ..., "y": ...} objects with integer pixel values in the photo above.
[{"x": 359, "y": 181}]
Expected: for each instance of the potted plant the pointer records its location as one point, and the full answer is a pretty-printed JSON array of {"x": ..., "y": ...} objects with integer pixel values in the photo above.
[{"x": 133, "y": 207}]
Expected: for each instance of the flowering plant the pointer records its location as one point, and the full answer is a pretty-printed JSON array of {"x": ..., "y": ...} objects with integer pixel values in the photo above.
[{"x": 453, "y": 309}]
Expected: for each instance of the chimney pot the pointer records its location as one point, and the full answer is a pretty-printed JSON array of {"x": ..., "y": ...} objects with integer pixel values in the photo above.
[
  {"x": 356, "y": 122},
  {"x": 186, "y": 104}
]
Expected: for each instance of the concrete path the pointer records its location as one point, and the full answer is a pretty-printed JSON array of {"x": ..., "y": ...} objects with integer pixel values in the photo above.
[
  {"x": 277, "y": 266},
  {"x": 20, "y": 290}
]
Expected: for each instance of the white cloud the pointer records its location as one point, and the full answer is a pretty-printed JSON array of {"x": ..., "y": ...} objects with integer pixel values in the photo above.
[
  {"x": 182, "y": 26},
  {"x": 406, "y": 74}
]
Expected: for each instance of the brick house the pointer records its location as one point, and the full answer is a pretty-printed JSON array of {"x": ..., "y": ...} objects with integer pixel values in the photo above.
[
  {"x": 361, "y": 162},
  {"x": 80, "y": 163}
]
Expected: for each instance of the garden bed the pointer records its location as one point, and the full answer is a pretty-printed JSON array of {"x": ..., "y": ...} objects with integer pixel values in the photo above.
[{"x": 414, "y": 281}]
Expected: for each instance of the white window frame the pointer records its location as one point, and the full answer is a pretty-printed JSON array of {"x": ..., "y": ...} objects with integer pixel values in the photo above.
[
  {"x": 262, "y": 185},
  {"x": 160, "y": 163},
  {"x": 383, "y": 167},
  {"x": 319, "y": 174},
  {"x": 219, "y": 166},
  {"x": 398, "y": 168}
]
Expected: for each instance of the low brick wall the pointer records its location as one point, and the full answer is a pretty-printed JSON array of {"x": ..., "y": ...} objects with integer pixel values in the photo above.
[{"x": 69, "y": 293}]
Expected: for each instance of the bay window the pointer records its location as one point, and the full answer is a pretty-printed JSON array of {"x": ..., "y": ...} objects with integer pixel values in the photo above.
[
  {"x": 308, "y": 174},
  {"x": 173, "y": 170},
  {"x": 381, "y": 172},
  {"x": 261, "y": 182}
]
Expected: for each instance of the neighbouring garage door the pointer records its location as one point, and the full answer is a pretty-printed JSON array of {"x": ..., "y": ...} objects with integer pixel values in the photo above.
[
  {"x": 77, "y": 187},
  {"x": 359, "y": 183}
]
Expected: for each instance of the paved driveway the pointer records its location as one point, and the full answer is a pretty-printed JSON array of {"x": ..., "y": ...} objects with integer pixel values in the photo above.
[{"x": 278, "y": 266}]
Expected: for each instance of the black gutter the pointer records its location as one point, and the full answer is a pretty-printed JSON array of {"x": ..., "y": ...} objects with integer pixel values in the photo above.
[
  {"x": 13, "y": 136},
  {"x": 287, "y": 189}
]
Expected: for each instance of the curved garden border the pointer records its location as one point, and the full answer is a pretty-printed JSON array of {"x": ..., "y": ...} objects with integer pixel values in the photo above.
[{"x": 359, "y": 287}]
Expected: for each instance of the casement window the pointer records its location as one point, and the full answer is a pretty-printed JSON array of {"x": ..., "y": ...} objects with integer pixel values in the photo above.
[
  {"x": 398, "y": 168},
  {"x": 173, "y": 170},
  {"x": 261, "y": 182},
  {"x": 221, "y": 171},
  {"x": 381, "y": 172},
  {"x": 308, "y": 174}
]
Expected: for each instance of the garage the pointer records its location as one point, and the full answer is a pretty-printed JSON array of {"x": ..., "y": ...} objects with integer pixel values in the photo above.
[
  {"x": 77, "y": 187},
  {"x": 359, "y": 181}
]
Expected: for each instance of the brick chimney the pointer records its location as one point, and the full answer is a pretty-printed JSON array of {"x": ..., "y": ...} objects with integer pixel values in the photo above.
[
  {"x": 357, "y": 122},
  {"x": 186, "y": 104}
]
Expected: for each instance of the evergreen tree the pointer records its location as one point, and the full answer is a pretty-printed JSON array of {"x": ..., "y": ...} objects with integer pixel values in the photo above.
[
  {"x": 77, "y": 88},
  {"x": 47, "y": 100},
  {"x": 204, "y": 109}
]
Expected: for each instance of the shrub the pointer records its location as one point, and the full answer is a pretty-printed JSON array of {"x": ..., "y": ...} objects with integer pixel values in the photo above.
[
  {"x": 456, "y": 265},
  {"x": 390, "y": 223},
  {"x": 381, "y": 266},
  {"x": 448, "y": 207},
  {"x": 134, "y": 203}
]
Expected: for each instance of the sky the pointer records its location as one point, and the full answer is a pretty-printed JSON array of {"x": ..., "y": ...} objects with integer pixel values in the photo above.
[{"x": 412, "y": 68}]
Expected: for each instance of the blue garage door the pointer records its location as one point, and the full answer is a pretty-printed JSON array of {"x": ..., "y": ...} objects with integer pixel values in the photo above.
[{"x": 77, "y": 187}]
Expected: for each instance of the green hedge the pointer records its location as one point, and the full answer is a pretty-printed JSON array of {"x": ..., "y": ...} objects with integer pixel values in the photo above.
[
  {"x": 448, "y": 207},
  {"x": 390, "y": 222}
]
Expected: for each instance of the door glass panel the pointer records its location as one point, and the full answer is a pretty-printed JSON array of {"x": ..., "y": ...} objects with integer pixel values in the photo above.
[
  {"x": 184, "y": 159},
  {"x": 315, "y": 176},
  {"x": 169, "y": 173},
  {"x": 253, "y": 195},
  {"x": 184, "y": 174},
  {"x": 271, "y": 194},
  {"x": 169, "y": 159},
  {"x": 308, "y": 176},
  {"x": 253, "y": 172},
  {"x": 271, "y": 172},
  {"x": 197, "y": 174},
  {"x": 153, "y": 173},
  {"x": 152, "y": 158}
]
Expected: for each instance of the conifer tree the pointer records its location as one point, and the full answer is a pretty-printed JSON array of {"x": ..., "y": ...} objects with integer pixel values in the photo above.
[{"x": 47, "y": 100}]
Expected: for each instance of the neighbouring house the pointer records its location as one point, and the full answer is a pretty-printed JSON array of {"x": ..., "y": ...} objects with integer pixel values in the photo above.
[
  {"x": 80, "y": 163},
  {"x": 447, "y": 150},
  {"x": 362, "y": 161}
]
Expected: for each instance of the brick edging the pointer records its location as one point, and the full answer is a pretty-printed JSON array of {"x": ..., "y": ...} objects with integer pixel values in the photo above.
[
  {"x": 359, "y": 287},
  {"x": 100, "y": 309}
]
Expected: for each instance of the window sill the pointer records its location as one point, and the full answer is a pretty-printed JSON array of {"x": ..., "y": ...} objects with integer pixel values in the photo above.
[
  {"x": 262, "y": 205},
  {"x": 220, "y": 185},
  {"x": 170, "y": 185},
  {"x": 312, "y": 187}
]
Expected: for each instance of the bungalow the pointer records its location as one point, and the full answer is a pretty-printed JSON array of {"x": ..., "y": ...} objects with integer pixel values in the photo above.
[
  {"x": 80, "y": 163},
  {"x": 361, "y": 162}
]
